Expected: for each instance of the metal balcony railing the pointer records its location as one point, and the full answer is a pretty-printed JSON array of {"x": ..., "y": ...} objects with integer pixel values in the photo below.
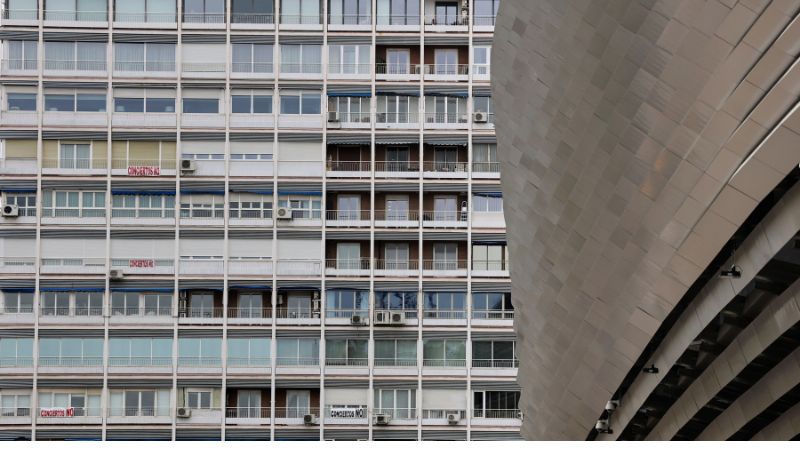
[
  {"x": 21, "y": 14},
  {"x": 203, "y": 313},
  {"x": 75, "y": 16},
  {"x": 445, "y": 216},
  {"x": 71, "y": 361},
  {"x": 204, "y": 213},
  {"x": 349, "y": 69},
  {"x": 398, "y": 19},
  {"x": 397, "y": 166},
  {"x": 395, "y": 362},
  {"x": 449, "y": 315},
  {"x": 489, "y": 167},
  {"x": 350, "y": 19},
  {"x": 247, "y": 412},
  {"x": 145, "y": 214},
  {"x": 249, "y": 313},
  {"x": 397, "y": 69},
  {"x": 137, "y": 361},
  {"x": 296, "y": 68},
  {"x": 140, "y": 167},
  {"x": 397, "y": 216},
  {"x": 13, "y": 309},
  {"x": 137, "y": 312},
  {"x": 199, "y": 361},
  {"x": 348, "y": 216},
  {"x": 484, "y": 21},
  {"x": 254, "y": 18},
  {"x": 439, "y": 118},
  {"x": 301, "y": 19},
  {"x": 382, "y": 264},
  {"x": 440, "y": 414},
  {"x": 482, "y": 69},
  {"x": 64, "y": 213},
  {"x": 18, "y": 361},
  {"x": 296, "y": 412},
  {"x": 449, "y": 265},
  {"x": 401, "y": 118},
  {"x": 10, "y": 411},
  {"x": 495, "y": 413},
  {"x": 458, "y": 363},
  {"x": 347, "y": 362},
  {"x": 296, "y": 361},
  {"x": 296, "y": 313},
  {"x": 397, "y": 413},
  {"x": 74, "y": 262},
  {"x": 71, "y": 312},
  {"x": 299, "y": 266},
  {"x": 144, "y": 66},
  {"x": 140, "y": 412},
  {"x": 251, "y": 67},
  {"x": 149, "y": 17},
  {"x": 489, "y": 264},
  {"x": 447, "y": 69},
  {"x": 20, "y": 64},
  {"x": 203, "y": 18},
  {"x": 75, "y": 163},
  {"x": 446, "y": 20},
  {"x": 348, "y": 264},
  {"x": 248, "y": 362},
  {"x": 50, "y": 64},
  {"x": 348, "y": 166},
  {"x": 338, "y": 313},
  {"x": 492, "y": 314},
  {"x": 352, "y": 118},
  {"x": 495, "y": 363}
]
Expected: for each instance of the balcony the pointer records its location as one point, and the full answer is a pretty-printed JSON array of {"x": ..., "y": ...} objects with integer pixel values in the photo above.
[
  {"x": 245, "y": 316},
  {"x": 143, "y": 167},
  {"x": 20, "y": 67},
  {"x": 483, "y": 24},
  {"x": 247, "y": 415},
  {"x": 79, "y": 166},
  {"x": 347, "y": 267},
  {"x": 446, "y": 121},
  {"x": 70, "y": 364},
  {"x": 297, "y": 366},
  {"x": 347, "y": 416},
  {"x": 199, "y": 364},
  {"x": 399, "y": 416},
  {"x": 447, "y": 268},
  {"x": 300, "y": 121},
  {"x": 199, "y": 120},
  {"x": 301, "y": 71},
  {"x": 203, "y": 70},
  {"x": 486, "y": 170},
  {"x": 246, "y": 366},
  {"x": 348, "y": 169},
  {"x": 444, "y": 219},
  {"x": 73, "y": 266},
  {"x": 444, "y": 367},
  {"x": 401, "y": 121},
  {"x": 350, "y": 22},
  {"x": 301, "y": 22},
  {"x": 293, "y": 415},
  {"x": 297, "y": 316},
  {"x": 252, "y": 70},
  {"x": 145, "y": 20},
  {"x": 149, "y": 120},
  {"x": 78, "y": 315},
  {"x": 16, "y": 364},
  {"x": 212, "y": 416},
  {"x": 143, "y": 217},
  {"x": 446, "y": 72},
  {"x": 15, "y": 415},
  {"x": 496, "y": 417},
  {"x": 446, "y": 23},
  {"x": 347, "y": 218},
  {"x": 134, "y": 315},
  {"x": 139, "y": 365},
  {"x": 300, "y": 267},
  {"x": 88, "y": 68},
  {"x": 204, "y": 20},
  {"x": 69, "y": 415},
  {"x": 481, "y": 72},
  {"x": 350, "y": 120},
  {"x": 252, "y": 121},
  {"x": 397, "y": 72},
  {"x": 145, "y": 69},
  {"x": 250, "y": 266},
  {"x": 397, "y": 169},
  {"x": 398, "y": 22},
  {"x": 482, "y": 219},
  {"x": 73, "y": 216},
  {"x": 136, "y": 415},
  {"x": 75, "y": 119},
  {"x": 492, "y": 315},
  {"x": 17, "y": 264},
  {"x": 490, "y": 268},
  {"x": 386, "y": 268},
  {"x": 349, "y": 72},
  {"x": 21, "y": 17},
  {"x": 208, "y": 266},
  {"x": 19, "y": 118},
  {"x": 200, "y": 315},
  {"x": 259, "y": 21},
  {"x": 17, "y": 166},
  {"x": 75, "y": 18},
  {"x": 205, "y": 217},
  {"x": 440, "y": 416},
  {"x": 18, "y": 316},
  {"x": 396, "y": 219}
]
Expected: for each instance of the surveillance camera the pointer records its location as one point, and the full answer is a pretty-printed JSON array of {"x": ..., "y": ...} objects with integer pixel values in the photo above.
[
  {"x": 602, "y": 426},
  {"x": 651, "y": 370},
  {"x": 612, "y": 405},
  {"x": 734, "y": 272}
]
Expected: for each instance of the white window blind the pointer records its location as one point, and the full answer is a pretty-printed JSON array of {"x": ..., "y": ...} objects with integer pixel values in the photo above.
[
  {"x": 335, "y": 396},
  {"x": 16, "y": 248},
  {"x": 300, "y": 151},
  {"x": 251, "y": 148},
  {"x": 203, "y": 57},
  {"x": 250, "y": 248},
  {"x": 201, "y": 247},
  {"x": 141, "y": 249},
  {"x": 444, "y": 399},
  {"x": 299, "y": 248},
  {"x": 73, "y": 248}
]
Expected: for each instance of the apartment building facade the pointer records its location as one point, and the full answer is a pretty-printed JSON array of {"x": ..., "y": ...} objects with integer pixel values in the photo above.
[{"x": 252, "y": 220}]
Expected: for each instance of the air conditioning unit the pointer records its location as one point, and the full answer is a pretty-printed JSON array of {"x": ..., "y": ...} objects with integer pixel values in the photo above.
[
  {"x": 358, "y": 320},
  {"x": 382, "y": 419},
  {"x": 397, "y": 318},
  {"x": 184, "y": 413},
  {"x": 382, "y": 317},
  {"x": 309, "y": 419},
  {"x": 10, "y": 211},
  {"x": 333, "y": 117},
  {"x": 188, "y": 165},
  {"x": 453, "y": 419},
  {"x": 116, "y": 274},
  {"x": 283, "y": 214},
  {"x": 480, "y": 117}
]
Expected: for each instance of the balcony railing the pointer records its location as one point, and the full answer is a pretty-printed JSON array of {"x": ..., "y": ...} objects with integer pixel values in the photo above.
[
  {"x": 79, "y": 264},
  {"x": 22, "y": 264},
  {"x": 397, "y": 413},
  {"x": 484, "y": 21},
  {"x": 396, "y": 166},
  {"x": 137, "y": 312},
  {"x": 199, "y": 361},
  {"x": 71, "y": 312},
  {"x": 353, "y": 118},
  {"x": 203, "y": 313},
  {"x": 136, "y": 361},
  {"x": 149, "y": 17},
  {"x": 140, "y": 412},
  {"x": 203, "y": 18},
  {"x": 13, "y": 309},
  {"x": 447, "y": 315},
  {"x": 248, "y": 362},
  {"x": 76, "y": 164},
  {"x": 433, "y": 264},
  {"x": 348, "y": 166},
  {"x": 348, "y": 216},
  {"x": 143, "y": 167},
  {"x": 207, "y": 67},
  {"x": 398, "y": 19},
  {"x": 142, "y": 66},
  {"x": 490, "y": 167},
  {"x": 382, "y": 264},
  {"x": 336, "y": 313},
  {"x": 20, "y": 64},
  {"x": 64, "y": 213},
  {"x": 247, "y": 412},
  {"x": 492, "y": 314},
  {"x": 69, "y": 411},
  {"x": 347, "y": 362},
  {"x": 495, "y": 413},
  {"x": 446, "y": 20},
  {"x": 144, "y": 214},
  {"x": 495, "y": 363},
  {"x": 301, "y": 68},
  {"x": 444, "y": 216},
  {"x": 350, "y": 19},
  {"x": 397, "y": 69},
  {"x": 50, "y": 64},
  {"x": 441, "y": 414},
  {"x": 249, "y": 313},
  {"x": 295, "y": 412},
  {"x": 349, "y": 69},
  {"x": 390, "y": 118},
  {"x": 296, "y": 313},
  {"x": 447, "y": 69},
  {"x": 18, "y": 361},
  {"x": 299, "y": 267},
  {"x": 489, "y": 265},
  {"x": 301, "y": 19},
  {"x": 296, "y": 361},
  {"x": 21, "y": 14},
  {"x": 397, "y": 216},
  {"x": 348, "y": 264},
  {"x": 458, "y": 363},
  {"x": 395, "y": 362},
  {"x": 252, "y": 67},
  {"x": 75, "y": 16},
  {"x": 71, "y": 361},
  {"x": 10, "y": 411},
  {"x": 439, "y": 118},
  {"x": 255, "y": 18}
]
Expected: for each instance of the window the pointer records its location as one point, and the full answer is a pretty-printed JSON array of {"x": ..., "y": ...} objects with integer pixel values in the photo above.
[
  {"x": 252, "y": 11},
  {"x": 396, "y": 256},
  {"x": 445, "y": 13},
  {"x": 72, "y": 10},
  {"x": 345, "y": 303},
  {"x": 397, "y": 301},
  {"x": 75, "y": 156},
  {"x": 492, "y": 203},
  {"x": 481, "y": 59},
  {"x": 301, "y": 103},
  {"x": 199, "y": 352},
  {"x": 78, "y": 102},
  {"x": 71, "y": 352},
  {"x": 252, "y": 58},
  {"x": 301, "y": 58},
  {"x": 350, "y": 12},
  {"x": 17, "y": 302},
  {"x": 486, "y": 11},
  {"x": 16, "y": 352},
  {"x": 157, "y": 304},
  {"x": 138, "y": 303},
  {"x": 398, "y": 61},
  {"x": 446, "y": 61},
  {"x": 248, "y": 352},
  {"x": 83, "y": 403},
  {"x": 350, "y": 109},
  {"x": 204, "y": 11},
  {"x": 22, "y": 9},
  {"x": 492, "y": 305},
  {"x": 484, "y": 158},
  {"x": 445, "y": 254},
  {"x": 399, "y": 403},
  {"x": 134, "y": 352},
  {"x": 150, "y": 11},
  {"x": 23, "y": 55},
  {"x": 445, "y": 305},
  {"x": 144, "y": 57},
  {"x": 495, "y": 404},
  {"x": 250, "y": 206},
  {"x": 398, "y": 12},
  {"x": 73, "y": 204},
  {"x": 444, "y": 352},
  {"x": 484, "y": 105},
  {"x": 349, "y": 59},
  {"x": 201, "y": 105},
  {"x": 74, "y": 55},
  {"x": 72, "y": 304},
  {"x": 298, "y": 352},
  {"x": 137, "y": 402},
  {"x": 306, "y": 207},
  {"x": 21, "y": 102},
  {"x": 346, "y": 352},
  {"x": 25, "y": 202},
  {"x": 199, "y": 206},
  {"x": 143, "y": 205},
  {"x": 489, "y": 257},
  {"x": 306, "y": 12},
  {"x": 198, "y": 399},
  {"x": 497, "y": 354},
  {"x": 397, "y": 109},
  {"x": 15, "y": 405},
  {"x": 396, "y": 352},
  {"x": 253, "y": 102},
  {"x": 445, "y": 109}
]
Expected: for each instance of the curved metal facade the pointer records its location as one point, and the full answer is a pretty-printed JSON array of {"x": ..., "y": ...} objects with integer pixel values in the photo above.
[{"x": 638, "y": 140}]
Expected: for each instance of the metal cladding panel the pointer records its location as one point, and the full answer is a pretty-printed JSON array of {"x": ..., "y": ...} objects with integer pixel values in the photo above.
[
  {"x": 139, "y": 434},
  {"x": 389, "y": 434},
  {"x": 297, "y": 384},
  {"x": 199, "y": 382},
  {"x": 352, "y": 434},
  {"x": 486, "y": 287},
  {"x": 15, "y": 434},
  {"x": 198, "y": 434},
  {"x": 444, "y": 435},
  {"x": 74, "y": 433},
  {"x": 70, "y": 382},
  {"x": 259, "y": 383},
  {"x": 139, "y": 382},
  {"x": 247, "y": 434},
  {"x": 16, "y": 332},
  {"x": 496, "y": 436},
  {"x": 253, "y": 38},
  {"x": 16, "y": 383}
]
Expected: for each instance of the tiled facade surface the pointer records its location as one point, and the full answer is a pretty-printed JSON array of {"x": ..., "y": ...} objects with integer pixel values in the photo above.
[
  {"x": 635, "y": 137},
  {"x": 153, "y": 289}
]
